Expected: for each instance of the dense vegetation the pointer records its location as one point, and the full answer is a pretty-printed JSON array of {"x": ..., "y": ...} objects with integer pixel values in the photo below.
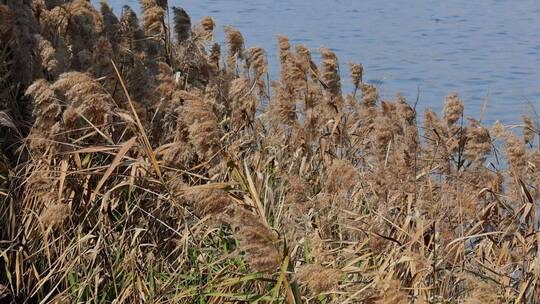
[{"x": 139, "y": 164}]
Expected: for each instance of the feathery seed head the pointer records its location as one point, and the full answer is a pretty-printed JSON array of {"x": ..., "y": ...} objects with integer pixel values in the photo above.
[
  {"x": 259, "y": 243},
  {"x": 235, "y": 42},
  {"x": 319, "y": 279},
  {"x": 205, "y": 29},
  {"x": 529, "y": 130},
  {"x": 182, "y": 24},
  {"x": 516, "y": 153},
  {"x": 453, "y": 109},
  {"x": 54, "y": 215},
  {"x": 356, "y": 70}
]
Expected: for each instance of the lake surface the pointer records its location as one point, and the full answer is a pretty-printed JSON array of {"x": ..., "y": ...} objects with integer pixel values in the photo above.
[{"x": 481, "y": 49}]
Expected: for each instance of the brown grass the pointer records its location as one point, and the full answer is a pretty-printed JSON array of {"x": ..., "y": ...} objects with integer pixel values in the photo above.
[{"x": 139, "y": 166}]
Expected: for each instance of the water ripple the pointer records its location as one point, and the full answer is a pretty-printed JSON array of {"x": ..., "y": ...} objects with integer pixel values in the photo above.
[{"x": 439, "y": 46}]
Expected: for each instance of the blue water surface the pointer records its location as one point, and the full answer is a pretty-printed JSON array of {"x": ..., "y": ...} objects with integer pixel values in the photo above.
[{"x": 483, "y": 49}]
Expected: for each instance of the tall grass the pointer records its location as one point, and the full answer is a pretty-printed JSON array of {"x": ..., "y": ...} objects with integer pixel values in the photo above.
[{"x": 141, "y": 165}]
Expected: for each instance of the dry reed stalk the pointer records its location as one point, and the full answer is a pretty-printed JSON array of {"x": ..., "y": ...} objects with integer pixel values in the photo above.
[{"x": 214, "y": 57}]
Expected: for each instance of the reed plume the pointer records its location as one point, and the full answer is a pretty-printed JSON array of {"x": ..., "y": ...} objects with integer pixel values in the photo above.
[
  {"x": 204, "y": 130},
  {"x": 529, "y": 130},
  {"x": 171, "y": 124},
  {"x": 244, "y": 103},
  {"x": 155, "y": 29},
  {"x": 482, "y": 292},
  {"x": 86, "y": 97},
  {"x": 255, "y": 60},
  {"x": 47, "y": 113},
  {"x": 319, "y": 279},
  {"x": 356, "y": 71},
  {"x": 152, "y": 18},
  {"x": 215, "y": 57},
  {"x": 54, "y": 215},
  {"x": 370, "y": 96},
  {"x": 259, "y": 244},
  {"x": 51, "y": 65},
  {"x": 182, "y": 24},
  {"x": 22, "y": 28},
  {"x": 296, "y": 75},
  {"x": 516, "y": 153},
  {"x": 453, "y": 109},
  {"x": 342, "y": 176},
  {"x": 212, "y": 202},
  {"x": 7, "y": 24},
  {"x": 282, "y": 108},
  {"x": 479, "y": 144},
  {"x": 330, "y": 74},
  {"x": 86, "y": 20},
  {"x": 111, "y": 24},
  {"x": 205, "y": 28},
  {"x": 130, "y": 33},
  {"x": 235, "y": 42},
  {"x": 102, "y": 57},
  {"x": 284, "y": 50},
  {"x": 391, "y": 292}
]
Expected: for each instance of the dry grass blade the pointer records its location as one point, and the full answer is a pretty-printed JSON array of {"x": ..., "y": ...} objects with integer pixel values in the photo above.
[
  {"x": 142, "y": 132},
  {"x": 254, "y": 194},
  {"x": 116, "y": 161}
]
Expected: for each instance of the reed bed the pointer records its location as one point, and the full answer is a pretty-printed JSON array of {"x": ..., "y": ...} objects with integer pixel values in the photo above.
[{"x": 142, "y": 162}]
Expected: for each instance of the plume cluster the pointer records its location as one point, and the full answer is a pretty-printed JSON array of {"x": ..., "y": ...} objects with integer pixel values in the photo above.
[{"x": 140, "y": 165}]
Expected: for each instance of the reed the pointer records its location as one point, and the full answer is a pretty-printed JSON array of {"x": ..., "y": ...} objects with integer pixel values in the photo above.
[{"x": 142, "y": 166}]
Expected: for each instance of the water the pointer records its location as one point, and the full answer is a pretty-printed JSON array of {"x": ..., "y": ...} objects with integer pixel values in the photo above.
[{"x": 481, "y": 49}]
